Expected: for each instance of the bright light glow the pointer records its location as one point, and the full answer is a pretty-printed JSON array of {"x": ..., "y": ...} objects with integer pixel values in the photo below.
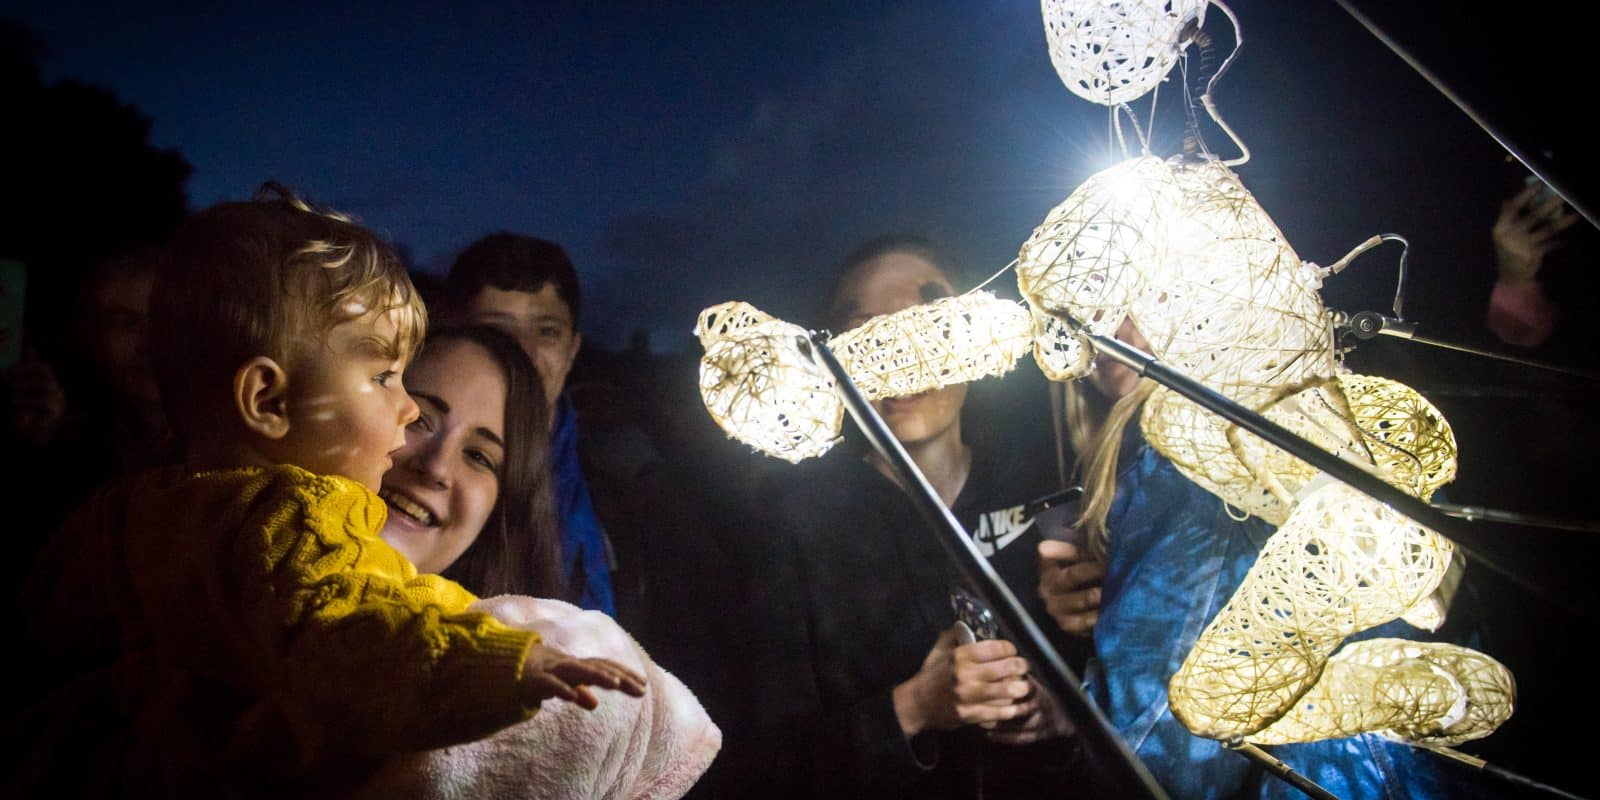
[
  {"x": 1233, "y": 306},
  {"x": 1090, "y": 256}
]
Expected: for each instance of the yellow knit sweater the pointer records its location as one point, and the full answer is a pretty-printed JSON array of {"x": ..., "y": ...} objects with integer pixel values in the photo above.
[{"x": 269, "y": 639}]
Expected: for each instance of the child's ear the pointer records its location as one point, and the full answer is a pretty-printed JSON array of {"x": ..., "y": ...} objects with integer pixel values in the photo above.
[{"x": 261, "y": 395}]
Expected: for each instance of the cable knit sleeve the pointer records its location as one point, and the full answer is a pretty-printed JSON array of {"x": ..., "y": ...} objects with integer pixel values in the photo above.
[{"x": 342, "y": 647}]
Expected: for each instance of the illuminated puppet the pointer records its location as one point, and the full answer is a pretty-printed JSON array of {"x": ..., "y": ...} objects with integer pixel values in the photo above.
[{"x": 1182, "y": 249}]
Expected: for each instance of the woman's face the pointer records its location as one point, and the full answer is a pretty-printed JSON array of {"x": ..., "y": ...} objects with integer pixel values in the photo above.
[
  {"x": 882, "y": 286},
  {"x": 446, "y": 478}
]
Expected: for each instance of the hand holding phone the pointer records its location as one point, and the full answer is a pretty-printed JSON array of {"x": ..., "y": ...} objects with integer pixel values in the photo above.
[
  {"x": 1057, "y": 516},
  {"x": 1069, "y": 579}
]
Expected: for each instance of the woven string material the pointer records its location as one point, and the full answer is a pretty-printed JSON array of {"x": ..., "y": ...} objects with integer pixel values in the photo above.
[
  {"x": 1340, "y": 564},
  {"x": 1111, "y": 53},
  {"x": 1430, "y": 693},
  {"x": 761, "y": 387},
  {"x": 948, "y": 341},
  {"x": 1185, "y": 250}
]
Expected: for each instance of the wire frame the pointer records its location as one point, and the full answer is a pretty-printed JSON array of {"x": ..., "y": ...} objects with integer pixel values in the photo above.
[
  {"x": 1089, "y": 256},
  {"x": 1431, "y": 693},
  {"x": 1341, "y": 563},
  {"x": 949, "y": 341},
  {"x": 1111, "y": 53},
  {"x": 761, "y": 385}
]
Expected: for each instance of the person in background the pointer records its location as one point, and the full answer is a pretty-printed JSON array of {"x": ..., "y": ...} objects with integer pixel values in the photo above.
[
  {"x": 864, "y": 684},
  {"x": 528, "y": 287},
  {"x": 92, "y": 415},
  {"x": 234, "y": 625},
  {"x": 1530, "y": 225}
]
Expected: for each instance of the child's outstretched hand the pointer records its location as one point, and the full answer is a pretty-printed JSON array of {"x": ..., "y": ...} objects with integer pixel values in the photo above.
[{"x": 549, "y": 673}]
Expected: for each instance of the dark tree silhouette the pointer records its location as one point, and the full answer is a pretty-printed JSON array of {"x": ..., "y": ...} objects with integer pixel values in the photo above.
[{"x": 83, "y": 182}]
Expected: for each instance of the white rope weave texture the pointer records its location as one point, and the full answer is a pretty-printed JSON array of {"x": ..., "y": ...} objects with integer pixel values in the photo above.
[
  {"x": 1232, "y": 305},
  {"x": 1110, "y": 53},
  {"x": 1426, "y": 692},
  {"x": 948, "y": 341},
  {"x": 761, "y": 388},
  {"x": 1341, "y": 563},
  {"x": 764, "y": 389},
  {"x": 1089, "y": 256}
]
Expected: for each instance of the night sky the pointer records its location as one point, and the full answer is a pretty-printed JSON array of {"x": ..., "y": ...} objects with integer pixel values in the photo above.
[{"x": 691, "y": 153}]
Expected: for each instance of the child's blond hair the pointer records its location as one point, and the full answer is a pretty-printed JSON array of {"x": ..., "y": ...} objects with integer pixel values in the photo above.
[{"x": 258, "y": 278}]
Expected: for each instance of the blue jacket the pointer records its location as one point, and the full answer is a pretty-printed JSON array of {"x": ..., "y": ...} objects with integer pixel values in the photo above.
[
  {"x": 584, "y": 556},
  {"x": 1175, "y": 558}
]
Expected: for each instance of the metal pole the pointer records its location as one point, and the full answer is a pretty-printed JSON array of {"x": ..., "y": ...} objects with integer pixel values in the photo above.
[
  {"x": 1418, "y": 510},
  {"x": 1120, "y": 772},
  {"x": 1538, "y": 166}
]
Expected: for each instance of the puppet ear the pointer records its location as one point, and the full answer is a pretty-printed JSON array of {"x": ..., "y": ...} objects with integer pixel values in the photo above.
[{"x": 261, "y": 395}]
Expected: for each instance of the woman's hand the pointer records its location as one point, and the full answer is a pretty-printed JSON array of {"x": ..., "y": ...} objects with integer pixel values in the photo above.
[
  {"x": 979, "y": 683},
  {"x": 1047, "y": 721},
  {"x": 1069, "y": 584}
]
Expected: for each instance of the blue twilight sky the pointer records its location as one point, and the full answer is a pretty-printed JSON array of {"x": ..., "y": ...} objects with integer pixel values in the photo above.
[{"x": 689, "y": 153}]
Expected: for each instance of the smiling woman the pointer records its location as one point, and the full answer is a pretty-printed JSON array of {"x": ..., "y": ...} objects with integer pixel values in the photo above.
[
  {"x": 469, "y": 497},
  {"x": 469, "y": 493}
]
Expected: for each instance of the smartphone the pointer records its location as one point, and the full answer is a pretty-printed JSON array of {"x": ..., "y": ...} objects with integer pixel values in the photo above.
[
  {"x": 1056, "y": 515},
  {"x": 13, "y": 282}
]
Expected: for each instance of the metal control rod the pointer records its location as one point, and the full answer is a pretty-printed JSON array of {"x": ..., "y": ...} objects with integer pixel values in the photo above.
[{"x": 1119, "y": 773}]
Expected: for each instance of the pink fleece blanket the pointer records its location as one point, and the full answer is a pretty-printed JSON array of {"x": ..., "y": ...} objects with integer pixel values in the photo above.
[{"x": 652, "y": 747}]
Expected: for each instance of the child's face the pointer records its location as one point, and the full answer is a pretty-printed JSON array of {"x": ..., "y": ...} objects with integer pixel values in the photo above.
[
  {"x": 446, "y": 480},
  {"x": 541, "y": 323},
  {"x": 348, "y": 410}
]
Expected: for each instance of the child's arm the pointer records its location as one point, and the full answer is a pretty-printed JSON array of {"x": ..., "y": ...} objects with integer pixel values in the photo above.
[
  {"x": 549, "y": 673},
  {"x": 356, "y": 652}
]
